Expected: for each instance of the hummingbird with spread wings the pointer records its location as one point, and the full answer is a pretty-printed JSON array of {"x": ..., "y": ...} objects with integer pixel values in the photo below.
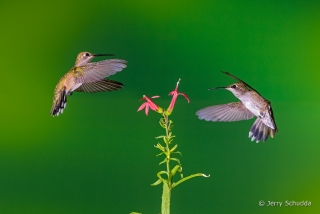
[
  {"x": 86, "y": 76},
  {"x": 251, "y": 104}
]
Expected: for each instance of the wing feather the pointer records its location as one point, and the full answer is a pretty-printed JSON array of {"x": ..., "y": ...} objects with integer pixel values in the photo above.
[
  {"x": 100, "y": 86},
  {"x": 96, "y": 71},
  {"x": 227, "y": 112}
]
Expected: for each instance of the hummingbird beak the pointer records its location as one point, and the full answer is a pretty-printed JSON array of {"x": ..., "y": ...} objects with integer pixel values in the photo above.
[
  {"x": 217, "y": 88},
  {"x": 103, "y": 54}
]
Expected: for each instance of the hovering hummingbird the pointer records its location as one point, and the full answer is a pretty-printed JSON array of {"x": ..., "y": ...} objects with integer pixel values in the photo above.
[
  {"x": 252, "y": 104},
  {"x": 86, "y": 76}
]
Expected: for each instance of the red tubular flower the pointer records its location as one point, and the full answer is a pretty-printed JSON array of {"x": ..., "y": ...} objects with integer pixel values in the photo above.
[
  {"x": 149, "y": 104},
  {"x": 175, "y": 94}
]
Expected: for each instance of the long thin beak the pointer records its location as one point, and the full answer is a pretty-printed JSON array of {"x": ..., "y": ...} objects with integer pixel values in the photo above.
[
  {"x": 217, "y": 88},
  {"x": 103, "y": 54}
]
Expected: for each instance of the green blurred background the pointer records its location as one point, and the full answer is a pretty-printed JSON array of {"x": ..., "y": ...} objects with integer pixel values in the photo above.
[{"x": 98, "y": 156}]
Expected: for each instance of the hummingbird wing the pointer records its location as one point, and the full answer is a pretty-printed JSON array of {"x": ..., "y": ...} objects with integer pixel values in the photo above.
[
  {"x": 96, "y": 71},
  {"x": 272, "y": 118},
  {"x": 227, "y": 112},
  {"x": 234, "y": 77},
  {"x": 268, "y": 118},
  {"x": 100, "y": 86}
]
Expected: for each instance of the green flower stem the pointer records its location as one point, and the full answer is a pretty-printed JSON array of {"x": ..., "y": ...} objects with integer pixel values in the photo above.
[
  {"x": 166, "y": 194},
  {"x": 167, "y": 183},
  {"x": 166, "y": 150}
]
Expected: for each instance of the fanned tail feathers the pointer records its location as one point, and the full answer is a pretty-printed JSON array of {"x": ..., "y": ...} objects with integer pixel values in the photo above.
[
  {"x": 59, "y": 102},
  {"x": 260, "y": 131}
]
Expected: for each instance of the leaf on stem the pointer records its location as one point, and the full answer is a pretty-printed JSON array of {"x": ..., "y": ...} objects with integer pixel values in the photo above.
[
  {"x": 158, "y": 146},
  {"x": 161, "y": 136},
  {"x": 175, "y": 159},
  {"x": 160, "y": 178},
  {"x": 189, "y": 177},
  {"x": 175, "y": 169},
  {"x": 177, "y": 152},
  {"x": 159, "y": 181},
  {"x": 174, "y": 148},
  {"x": 163, "y": 125},
  {"x": 162, "y": 153},
  {"x": 164, "y": 161}
]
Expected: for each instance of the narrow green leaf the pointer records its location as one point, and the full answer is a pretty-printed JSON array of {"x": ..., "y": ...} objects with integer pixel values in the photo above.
[
  {"x": 175, "y": 169},
  {"x": 174, "y": 148},
  {"x": 177, "y": 152},
  {"x": 164, "y": 161},
  {"x": 158, "y": 146},
  {"x": 135, "y": 213},
  {"x": 161, "y": 136},
  {"x": 189, "y": 177},
  {"x": 162, "y": 124},
  {"x": 175, "y": 159},
  {"x": 166, "y": 140},
  {"x": 160, "y": 173},
  {"x": 160, "y": 178},
  {"x": 159, "y": 181},
  {"x": 162, "y": 153}
]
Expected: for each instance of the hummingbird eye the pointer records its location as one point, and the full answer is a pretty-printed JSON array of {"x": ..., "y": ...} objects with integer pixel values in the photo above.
[
  {"x": 87, "y": 54},
  {"x": 233, "y": 86}
]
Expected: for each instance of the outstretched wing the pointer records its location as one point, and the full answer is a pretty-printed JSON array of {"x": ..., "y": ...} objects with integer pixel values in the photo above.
[
  {"x": 100, "y": 86},
  {"x": 227, "y": 113},
  {"x": 93, "y": 72}
]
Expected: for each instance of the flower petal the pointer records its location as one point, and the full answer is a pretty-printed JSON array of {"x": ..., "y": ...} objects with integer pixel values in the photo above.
[
  {"x": 151, "y": 104},
  {"x": 173, "y": 92},
  {"x": 142, "y": 106},
  {"x": 147, "y": 109},
  {"x": 185, "y": 96}
]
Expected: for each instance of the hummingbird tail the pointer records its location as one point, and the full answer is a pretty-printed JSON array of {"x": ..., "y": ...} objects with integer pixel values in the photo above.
[
  {"x": 59, "y": 102},
  {"x": 100, "y": 86},
  {"x": 259, "y": 131}
]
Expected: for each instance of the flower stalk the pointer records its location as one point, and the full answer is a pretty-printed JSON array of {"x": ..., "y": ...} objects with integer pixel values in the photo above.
[{"x": 167, "y": 149}]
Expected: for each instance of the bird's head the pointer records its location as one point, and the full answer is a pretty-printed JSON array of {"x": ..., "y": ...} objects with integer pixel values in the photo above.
[
  {"x": 86, "y": 57},
  {"x": 237, "y": 89}
]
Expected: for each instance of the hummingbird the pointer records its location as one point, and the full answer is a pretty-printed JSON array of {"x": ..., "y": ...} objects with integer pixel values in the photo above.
[
  {"x": 251, "y": 104},
  {"x": 86, "y": 76}
]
